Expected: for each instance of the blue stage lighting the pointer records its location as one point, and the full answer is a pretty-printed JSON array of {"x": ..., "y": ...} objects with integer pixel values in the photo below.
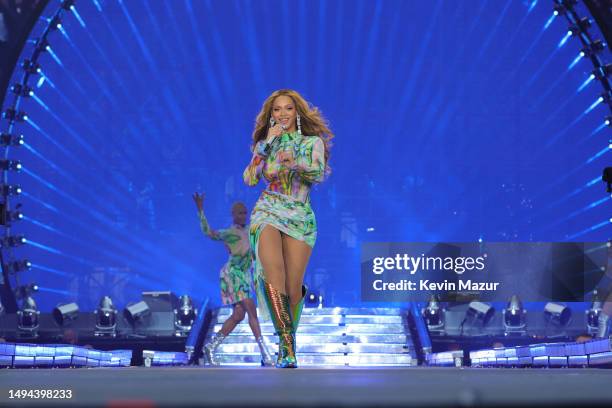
[
  {"x": 13, "y": 165},
  {"x": 7, "y": 139},
  {"x": 11, "y": 189},
  {"x": 67, "y": 4},
  {"x": 12, "y": 115},
  {"x": 13, "y": 241},
  {"x": 30, "y": 67},
  {"x": 19, "y": 266},
  {"x": 55, "y": 23},
  {"x": 22, "y": 90}
]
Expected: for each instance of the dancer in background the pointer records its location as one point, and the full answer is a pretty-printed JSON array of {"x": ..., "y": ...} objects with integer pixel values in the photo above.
[
  {"x": 235, "y": 278},
  {"x": 291, "y": 144}
]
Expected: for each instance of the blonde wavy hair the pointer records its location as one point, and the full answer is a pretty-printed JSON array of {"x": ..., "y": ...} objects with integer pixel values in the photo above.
[{"x": 312, "y": 121}]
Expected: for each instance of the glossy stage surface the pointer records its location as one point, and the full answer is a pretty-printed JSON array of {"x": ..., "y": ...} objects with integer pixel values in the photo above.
[{"x": 248, "y": 387}]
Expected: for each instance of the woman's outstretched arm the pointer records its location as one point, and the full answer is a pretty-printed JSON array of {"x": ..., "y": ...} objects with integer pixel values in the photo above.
[{"x": 204, "y": 226}]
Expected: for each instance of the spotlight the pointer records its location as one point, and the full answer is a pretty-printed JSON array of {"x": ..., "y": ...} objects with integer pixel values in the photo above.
[
  {"x": 137, "y": 312},
  {"x": 11, "y": 189},
  {"x": 7, "y": 139},
  {"x": 434, "y": 313},
  {"x": 106, "y": 318},
  {"x": 30, "y": 67},
  {"x": 12, "y": 115},
  {"x": 65, "y": 313},
  {"x": 311, "y": 299},
  {"x": 42, "y": 45},
  {"x": 185, "y": 315},
  {"x": 26, "y": 291},
  {"x": 27, "y": 318},
  {"x": 14, "y": 165},
  {"x": 602, "y": 72},
  {"x": 7, "y": 216},
  {"x": 514, "y": 316},
  {"x": 314, "y": 299},
  {"x": 480, "y": 311},
  {"x": 13, "y": 241},
  {"x": 592, "y": 314},
  {"x": 581, "y": 27},
  {"x": 608, "y": 121},
  {"x": 22, "y": 90},
  {"x": 18, "y": 266},
  {"x": 56, "y": 22},
  {"x": 67, "y": 4},
  {"x": 557, "y": 313}
]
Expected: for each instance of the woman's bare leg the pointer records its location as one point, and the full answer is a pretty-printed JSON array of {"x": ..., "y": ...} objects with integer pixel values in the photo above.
[
  {"x": 251, "y": 310},
  {"x": 296, "y": 254},
  {"x": 270, "y": 252},
  {"x": 235, "y": 318}
]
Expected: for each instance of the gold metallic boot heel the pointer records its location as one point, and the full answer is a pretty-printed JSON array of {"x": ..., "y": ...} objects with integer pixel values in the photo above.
[{"x": 278, "y": 304}]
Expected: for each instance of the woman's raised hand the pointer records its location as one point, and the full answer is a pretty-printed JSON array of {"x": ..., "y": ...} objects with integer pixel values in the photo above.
[
  {"x": 199, "y": 200},
  {"x": 273, "y": 132}
]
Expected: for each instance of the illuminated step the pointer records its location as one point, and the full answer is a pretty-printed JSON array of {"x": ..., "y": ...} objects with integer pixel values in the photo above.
[
  {"x": 323, "y": 338},
  {"x": 333, "y": 311},
  {"x": 318, "y": 359},
  {"x": 334, "y": 319},
  {"x": 327, "y": 328},
  {"x": 319, "y": 348}
]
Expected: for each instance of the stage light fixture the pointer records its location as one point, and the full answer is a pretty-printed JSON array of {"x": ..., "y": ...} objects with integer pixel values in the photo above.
[
  {"x": 56, "y": 22},
  {"x": 41, "y": 45},
  {"x": 602, "y": 72},
  {"x": 67, "y": 4},
  {"x": 185, "y": 315},
  {"x": 7, "y": 216},
  {"x": 12, "y": 115},
  {"x": 30, "y": 67},
  {"x": 434, "y": 313},
  {"x": 27, "y": 317},
  {"x": 557, "y": 313},
  {"x": 13, "y": 241},
  {"x": 65, "y": 313},
  {"x": 13, "y": 165},
  {"x": 137, "y": 312},
  {"x": 514, "y": 316},
  {"x": 480, "y": 311},
  {"x": 607, "y": 178},
  {"x": 11, "y": 189},
  {"x": 18, "y": 266},
  {"x": 604, "y": 324},
  {"x": 7, "y": 139},
  {"x": 592, "y": 314},
  {"x": 106, "y": 318},
  {"x": 608, "y": 121},
  {"x": 22, "y": 90}
]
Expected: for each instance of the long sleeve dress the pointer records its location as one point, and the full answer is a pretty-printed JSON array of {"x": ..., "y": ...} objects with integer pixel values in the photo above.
[
  {"x": 285, "y": 203},
  {"x": 235, "y": 275}
]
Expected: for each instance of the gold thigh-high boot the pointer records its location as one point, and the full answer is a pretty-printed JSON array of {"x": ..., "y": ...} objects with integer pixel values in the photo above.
[{"x": 280, "y": 312}]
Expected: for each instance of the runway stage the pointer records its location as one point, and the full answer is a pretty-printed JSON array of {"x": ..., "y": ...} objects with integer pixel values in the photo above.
[{"x": 248, "y": 387}]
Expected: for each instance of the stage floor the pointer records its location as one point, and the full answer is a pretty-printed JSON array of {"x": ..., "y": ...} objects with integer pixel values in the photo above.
[{"x": 248, "y": 387}]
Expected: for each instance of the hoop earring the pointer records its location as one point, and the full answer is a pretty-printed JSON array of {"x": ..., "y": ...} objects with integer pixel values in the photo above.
[{"x": 299, "y": 124}]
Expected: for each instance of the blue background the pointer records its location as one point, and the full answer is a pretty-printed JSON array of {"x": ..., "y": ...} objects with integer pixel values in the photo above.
[{"x": 454, "y": 121}]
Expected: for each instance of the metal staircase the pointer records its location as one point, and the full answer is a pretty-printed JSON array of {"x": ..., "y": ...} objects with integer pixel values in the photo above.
[{"x": 356, "y": 337}]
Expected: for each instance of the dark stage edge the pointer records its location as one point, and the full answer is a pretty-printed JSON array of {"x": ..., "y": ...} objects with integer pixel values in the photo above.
[{"x": 253, "y": 387}]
